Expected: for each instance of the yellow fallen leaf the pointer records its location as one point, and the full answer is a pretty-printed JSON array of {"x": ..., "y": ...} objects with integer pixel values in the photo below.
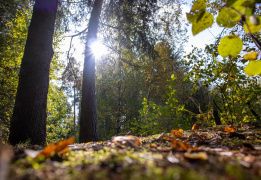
[{"x": 196, "y": 156}]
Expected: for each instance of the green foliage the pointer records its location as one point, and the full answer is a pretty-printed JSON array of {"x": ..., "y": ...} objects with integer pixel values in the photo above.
[
  {"x": 156, "y": 119},
  {"x": 11, "y": 53},
  {"x": 228, "y": 18},
  {"x": 14, "y": 36},
  {"x": 231, "y": 89},
  {"x": 59, "y": 120},
  {"x": 230, "y": 14},
  {"x": 199, "y": 18},
  {"x": 252, "y": 24}
]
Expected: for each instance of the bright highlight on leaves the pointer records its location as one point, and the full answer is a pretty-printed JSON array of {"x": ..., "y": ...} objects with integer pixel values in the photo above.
[
  {"x": 253, "y": 68},
  {"x": 230, "y": 46},
  {"x": 199, "y": 18},
  {"x": 60, "y": 148},
  {"x": 253, "y": 26},
  {"x": 251, "y": 56},
  {"x": 228, "y": 18},
  {"x": 244, "y": 6},
  {"x": 126, "y": 140}
]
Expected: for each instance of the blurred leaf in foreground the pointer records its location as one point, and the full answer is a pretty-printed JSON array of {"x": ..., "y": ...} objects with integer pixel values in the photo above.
[{"x": 59, "y": 148}]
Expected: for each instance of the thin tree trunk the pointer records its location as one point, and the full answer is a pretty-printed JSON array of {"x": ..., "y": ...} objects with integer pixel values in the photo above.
[
  {"x": 253, "y": 111},
  {"x": 118, "y": 128},
  {"x": 29, "y": 116},
  {"x": 88, "y": 118},
  {"x": 74, "y": 108}
]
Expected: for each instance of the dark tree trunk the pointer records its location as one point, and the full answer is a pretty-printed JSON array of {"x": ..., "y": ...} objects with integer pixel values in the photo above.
[
  {"x": 253, "y": 111},
  {"x": 216, "y": 116},
  {"x": 29, "y": 115},
  {"x": 88, "y": 117},
  {"x": 215, "y": 113}
]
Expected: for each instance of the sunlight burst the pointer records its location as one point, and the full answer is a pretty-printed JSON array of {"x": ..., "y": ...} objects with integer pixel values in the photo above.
[{"x": 98, "y": 49}]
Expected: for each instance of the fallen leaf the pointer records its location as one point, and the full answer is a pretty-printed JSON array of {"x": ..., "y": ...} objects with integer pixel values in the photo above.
[
  {"x": 175, "y": 133},
  {"x": 229, "y": 130},
  {"x": 153, "y": 146},
  {"x": 60, "y": 148},
  {"x": 179, "y": 145},
  {"x": 127, "y": 140},
  {"x": 195, "y": 127},
  {"x": 196, "y": 156}
]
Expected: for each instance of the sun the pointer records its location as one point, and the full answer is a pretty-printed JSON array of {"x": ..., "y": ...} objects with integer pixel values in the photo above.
[{"x": 98, "y": 49}]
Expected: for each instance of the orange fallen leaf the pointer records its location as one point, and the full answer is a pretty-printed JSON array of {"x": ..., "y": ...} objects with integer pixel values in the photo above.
[
  {"x": 175, "y": 133},
  {"x": 153, "y": 146},
  {"x": 59, "y": 148},
  {"x": 229, "y": 130},
  {"x": 179, "y": 145},
  {"x": 195, "y": 126}
]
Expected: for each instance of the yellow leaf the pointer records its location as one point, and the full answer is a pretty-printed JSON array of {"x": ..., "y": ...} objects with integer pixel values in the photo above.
[
  {"x": 180, "y": 130},
  {"x": 196, "y": 156},
  {"x": 253, "y": 68},
  {"x": 251, "y": 56}
]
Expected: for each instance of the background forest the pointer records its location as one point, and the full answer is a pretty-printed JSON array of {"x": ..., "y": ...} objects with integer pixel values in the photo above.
[{"x": 146, "y": 83}]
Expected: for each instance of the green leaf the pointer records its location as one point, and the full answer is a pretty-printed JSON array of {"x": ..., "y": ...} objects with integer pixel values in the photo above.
[
  {"x": 253, "y": 68},
  {"x": 253, "y": 28},
  {"x": 230, "y": 2},
  {"x": 228, "y": 18},
  {"x": 200, "y": 21},
  {"x": 244, "y": 6},
  {"x": 199, "y": 5},
  {"x": 230, "y": 46}
]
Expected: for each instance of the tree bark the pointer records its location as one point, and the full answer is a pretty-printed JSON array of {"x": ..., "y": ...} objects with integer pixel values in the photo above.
[
  {"x": 88, "y": 117},
  {"x": 29, "y": 115},
  {"x": 118, "y": 123}
]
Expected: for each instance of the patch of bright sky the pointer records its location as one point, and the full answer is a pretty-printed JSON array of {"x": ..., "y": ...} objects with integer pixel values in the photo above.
[{"x": 205, "y": 37}]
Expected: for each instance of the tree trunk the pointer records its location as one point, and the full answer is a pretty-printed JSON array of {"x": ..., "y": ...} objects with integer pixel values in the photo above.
[
  {"x": 29, "y": 116},
  {"x": 118, "y": 124},
  {"x": 215, "y": 113},
  {"x": 88, "y": 118}
]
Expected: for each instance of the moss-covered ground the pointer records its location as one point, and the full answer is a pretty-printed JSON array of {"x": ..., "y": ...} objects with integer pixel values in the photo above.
[{"x": 212, "y": 154}]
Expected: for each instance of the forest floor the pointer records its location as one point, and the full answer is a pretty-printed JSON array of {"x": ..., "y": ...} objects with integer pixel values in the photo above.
[{"x": 213, "y": 153}]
